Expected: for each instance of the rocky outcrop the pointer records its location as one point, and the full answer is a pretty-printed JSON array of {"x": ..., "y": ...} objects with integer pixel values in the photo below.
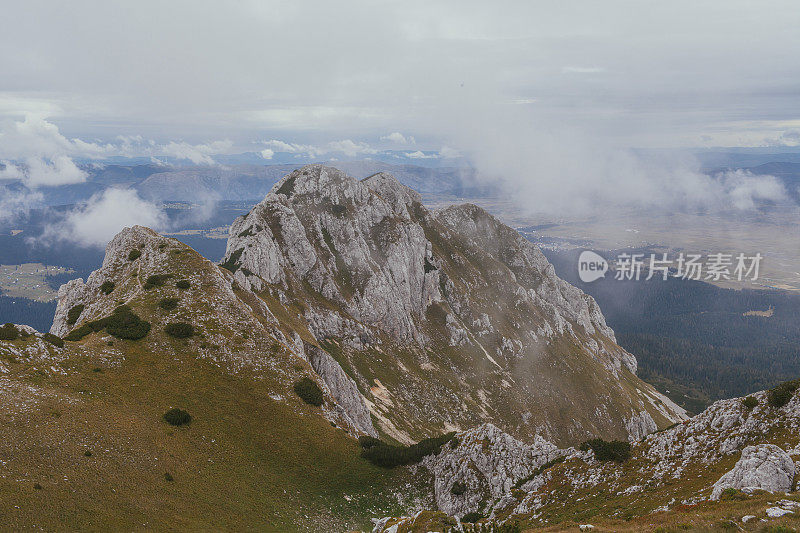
[
  {"x": 482, "y": 465},
  {"x": 468, "y": 319},
  {"x": 137, "y": 253},
  {"x": 765, "y": 467},
  {"x": 343, "y": 389}
]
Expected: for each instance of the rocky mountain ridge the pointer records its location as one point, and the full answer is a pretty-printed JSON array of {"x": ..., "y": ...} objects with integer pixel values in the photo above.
[
  {"x": 445, "y": 319},
  {"x": 735, "y": 448}
]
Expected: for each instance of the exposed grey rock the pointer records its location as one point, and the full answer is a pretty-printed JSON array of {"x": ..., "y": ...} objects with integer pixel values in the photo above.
[
  {"x": 365, "y": 263},
  {"x": 765, "y": 466},
  {"x": 487, "y": 462},
  {"x": 343, "y": 389}
]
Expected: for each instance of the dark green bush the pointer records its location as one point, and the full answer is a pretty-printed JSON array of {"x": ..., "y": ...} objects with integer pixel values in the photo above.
[
  {"x": 232, "y": 263},
  {"x": 134, "y": 255},
  {"x": 389, "y": 456},
  {"x": 780, "y": 395},
  {"x": 125, "y": 324},
  {"x": 168, "y": 303},
  {"x": 368, "y": 441},
  {"x": 731, "y": 494},
  {"x": 287, "y": 187},
  {"x": 107, "y": 287},
  {"x": 122, "y": 323},
  {"x": 9, "y": 332},
  {"x": 458, "y": 488},
  {"x": 539, "y": 470},
  {"x": 749, "y": 402},
  {"x": 87, "y": 453},
  {"x": 615, "y": 450},
  {"x": 183, "y": 284},
  {"x": 168, "y": 477},
  {"x": 177, "y": 417},
  {"x": 54, "y": 340},
  {"x": 179, "y": 330},
  {"x": 156, "y": 280},
  {"x": 75, "y": 313},
  {"x": 309, "y": 391},
  {"x": 472, "y": 517}
]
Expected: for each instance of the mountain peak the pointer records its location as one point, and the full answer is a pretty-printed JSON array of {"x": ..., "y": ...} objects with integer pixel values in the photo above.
[{"x": 456, "y": 306}]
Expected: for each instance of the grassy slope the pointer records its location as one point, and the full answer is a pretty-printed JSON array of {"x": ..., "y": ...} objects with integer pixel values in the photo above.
[
  {"x": 246, "y": 461},
  {"x": 254, "y": 457}
]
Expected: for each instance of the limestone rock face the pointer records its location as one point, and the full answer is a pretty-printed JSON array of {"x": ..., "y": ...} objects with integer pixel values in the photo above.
[
  {"x": 483, "y": 466},
  {"x": 443, "y": 320},
  {"x": 764, "y": 466},
  {"x": 137, "y": 253}
]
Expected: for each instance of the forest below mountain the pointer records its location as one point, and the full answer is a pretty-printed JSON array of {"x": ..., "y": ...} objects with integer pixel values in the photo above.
[{"x": 695, "y": 341}]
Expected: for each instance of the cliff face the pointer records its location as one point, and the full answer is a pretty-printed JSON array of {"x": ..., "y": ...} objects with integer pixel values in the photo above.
[{"x": 444, "y": 320}]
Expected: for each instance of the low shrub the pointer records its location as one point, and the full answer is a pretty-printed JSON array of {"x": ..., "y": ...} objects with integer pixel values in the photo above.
[
  {"x": 183, "y": 284},
  {"x": 123, "y": 323},
  {"x": 615, "y": 450},
  {"x": 749, "y": 402},
  {"x": 472, "y": 517},
  {"x": 156, "y": 280},
  {"x": 74, "y": 314},
  {"x": 177, "y": 417},
  {"x": 458, "y": 488},
  {"x": 731, "y": 494},
  {"x": 454, "y": 442},
  {"x": 54, "y": 340},
  {"x": 541, "y": 469},
  {"x": 9, "y": 332},
  {"x": 107, "y": 287},
  {"x": 134, "y": 255},
  {"x": 780, "y": 395},
  {"x": 168, "y": 477},
  {"x": 179, "y": 330},
  {"x": 168, "y": 303},
  {"x": 389, "y": 456},
  {"x": 87, "y": 453},
  {"x": 368, "y": 441},
  {"x": 309, "y": 391},
  {"x": 232, "y": 263}
]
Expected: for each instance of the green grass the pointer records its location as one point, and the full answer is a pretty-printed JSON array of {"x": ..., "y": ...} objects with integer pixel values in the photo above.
[{"x": 246, "y": 463}]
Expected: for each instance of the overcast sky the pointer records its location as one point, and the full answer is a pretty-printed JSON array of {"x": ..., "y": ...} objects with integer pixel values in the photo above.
[
  {"x": 548, "y": 96},
  {"x": 697, "y": 73}
]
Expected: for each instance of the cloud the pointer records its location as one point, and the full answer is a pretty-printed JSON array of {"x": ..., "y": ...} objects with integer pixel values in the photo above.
[
  {"x": 266, "y": 153},
  {"x": 61, "y": 170},
  {"x": 746, "y": 190},
  {"x": 420, "y": 155},
  {"x": 399, "y": 138},
  {"x": 42, "y": 154},
  {"x": 95, "y": 222},
  {"x": 350, "y": 148},
  {"x": 14, "y": 202},
  {"x": 199, "y": 154},
  {"x": 10, "y": 171},
  {"x": 447, "y": 152}
]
